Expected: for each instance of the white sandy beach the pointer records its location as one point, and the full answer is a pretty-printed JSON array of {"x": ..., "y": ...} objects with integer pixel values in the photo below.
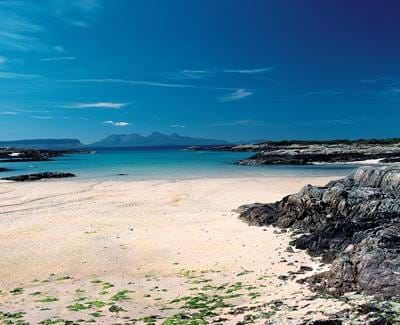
[{"x": 71, "y": 249}]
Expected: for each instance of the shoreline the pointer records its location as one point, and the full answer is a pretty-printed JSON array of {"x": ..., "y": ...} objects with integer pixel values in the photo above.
[
  {"x": 181, "y": 237},
  {"x": 133, "y": 179}
]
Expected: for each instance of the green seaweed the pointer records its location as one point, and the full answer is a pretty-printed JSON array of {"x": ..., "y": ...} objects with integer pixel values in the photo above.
[
  {"x": 107, "y": 285},
  {"x": 62, "y": 278},
  {"x": 254, "y": 295},
  {"x": 77, "y": 307},
  {"x": 13, "y": 318},
  {"x": 96, "y": 303},
  {"x": 47, "y": 299},
  {"x": 17, "y": 291},
  {"x": 50, "y": 321},
  {"x": 121, "y": 295},
  {"x": 244, "y": 272}
]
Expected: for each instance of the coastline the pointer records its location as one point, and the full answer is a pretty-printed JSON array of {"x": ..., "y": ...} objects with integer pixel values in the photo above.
[{"x": 179, "y": 236}]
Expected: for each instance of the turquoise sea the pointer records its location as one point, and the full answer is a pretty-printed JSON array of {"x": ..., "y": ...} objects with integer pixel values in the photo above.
[{"x": 166, "y": 163}]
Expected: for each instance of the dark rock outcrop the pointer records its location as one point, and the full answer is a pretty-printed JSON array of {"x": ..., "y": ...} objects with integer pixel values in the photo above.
[
  {"x": 306, "y": 159},
  {"x": 308, "y": 154},
  {"x": 38, "y": 176},
  {"x": 299, "y": 152},
  {"x": 353, "y": 222}
]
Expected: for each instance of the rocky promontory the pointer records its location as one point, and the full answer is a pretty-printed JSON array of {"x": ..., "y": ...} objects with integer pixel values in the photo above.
[
  {"x": 38, "y": 176},
  {"x": 353, "y": 223}
]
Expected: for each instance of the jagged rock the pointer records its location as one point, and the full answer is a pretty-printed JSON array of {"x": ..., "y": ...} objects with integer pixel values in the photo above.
[
  {"x": 290, "y": 249},
  {"x": 353, "y": 222},
  {"x": 38, "y": 176},
  {"x": 324, "y": 322},
  {"x": 115, "y": 309}
]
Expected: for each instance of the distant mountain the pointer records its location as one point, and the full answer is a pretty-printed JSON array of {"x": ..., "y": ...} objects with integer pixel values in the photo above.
[
  {"x": 43, "y": 144},
  {"x": 153, "y": 140}
]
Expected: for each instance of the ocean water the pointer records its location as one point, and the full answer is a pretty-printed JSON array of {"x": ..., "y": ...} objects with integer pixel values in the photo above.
[{"x": 166, "y": 163}]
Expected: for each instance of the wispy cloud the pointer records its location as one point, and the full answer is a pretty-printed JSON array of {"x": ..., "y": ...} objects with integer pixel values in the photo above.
[
  {"x": 59, "y": 48},
  {"x": 49, "y": 117},
  {"x": 79, "y": 23},
  {"x": 14, "y": 75},
  {"x": 145, "y": 83},
  {"x": 112, "y": 123},
  {"x": 77, "y": 13},
  {"x": 387, "y": 88},
  {"x": 202, "y": 73},
  {"x": 322, "y": 122},
  {"x": 327, "y": 92},
  {"x": 236, "y": 95},
  {"x": 19, "y": 33},
  {"x": 390, "y": 93},
  {"x": 85, "y": 5},
  {"x": 3, "y": 60},
  {"x": 60, "y": 58},
  {"x": 189, "y": 74},
  {"x": 97, "y": 105},
  {"x": 21, "y": 26},
  {"x": 20, "y": 111},
  {"x": 13, "y": 109},
  {"x": 368, "y": 81},
  {"x": 251, "y": 71},
  {"x": 255, "y": 123},
  {"x": 242, "y": 122},
  {"x": 180, "y": 126},
  {"x": 195, "y": 74},
  {"x": 379, "y": 81}
]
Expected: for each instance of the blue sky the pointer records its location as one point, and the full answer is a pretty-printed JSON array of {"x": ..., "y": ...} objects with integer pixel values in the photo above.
[{"x": 229, "y": 69}]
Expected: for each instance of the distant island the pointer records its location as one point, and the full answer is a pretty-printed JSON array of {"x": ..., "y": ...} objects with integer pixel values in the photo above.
[
  {"x": 43, "y": 144},
  {"x": 155, "y": 139}
]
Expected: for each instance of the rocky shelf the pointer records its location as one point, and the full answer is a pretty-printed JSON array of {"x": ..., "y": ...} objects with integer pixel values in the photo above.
[
  {"x": 304, "y": 155},
  {"x": 309, "y": 152},
  {"x": 353, "y": 223},
  {"x": 38, "y": 176},
  {"x": 10, "y": 155}
]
